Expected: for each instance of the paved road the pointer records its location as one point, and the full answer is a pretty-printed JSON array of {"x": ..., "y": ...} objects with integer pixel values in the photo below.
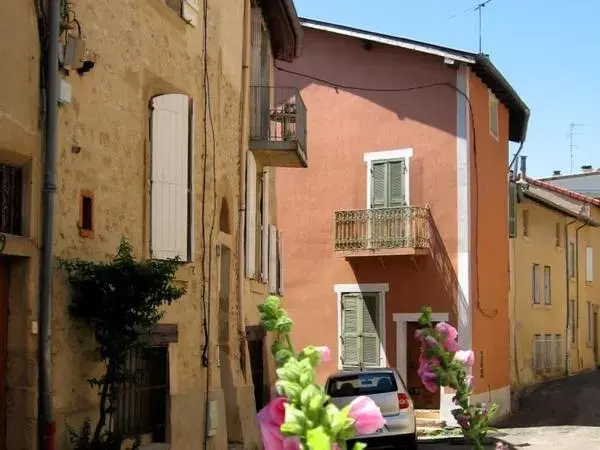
[{"x": 562, "y": 414}]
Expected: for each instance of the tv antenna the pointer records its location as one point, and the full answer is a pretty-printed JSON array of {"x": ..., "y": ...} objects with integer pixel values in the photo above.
[
  {"x": 478, "y": 7},
  {"x": 571, "y": 134}
]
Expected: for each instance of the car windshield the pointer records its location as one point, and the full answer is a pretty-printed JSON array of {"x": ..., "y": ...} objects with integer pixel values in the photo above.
[{"x": 361, "y": 384}]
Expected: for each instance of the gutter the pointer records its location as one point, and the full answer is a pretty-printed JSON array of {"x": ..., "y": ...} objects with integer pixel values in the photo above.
[
  {"x": 293, "y": 15},
  {"x": 46, "y": 426}
]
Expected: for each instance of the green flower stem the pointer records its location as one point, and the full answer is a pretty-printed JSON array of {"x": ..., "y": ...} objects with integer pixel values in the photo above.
[{"x": 288, "y": 340}]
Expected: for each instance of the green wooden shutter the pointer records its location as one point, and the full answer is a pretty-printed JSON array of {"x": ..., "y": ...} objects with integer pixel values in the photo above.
[
  {"x": 378, "y": 185},
  {"x": 350, "y": 330},
  {"x": 512, "y": 209},
  {"x": 370, "y": 336},
  {"x": 397, "y": 196}
]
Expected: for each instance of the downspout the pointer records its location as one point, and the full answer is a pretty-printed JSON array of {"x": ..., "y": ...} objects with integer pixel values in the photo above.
[
  {"x": 46, "y": 427},
  {"x": 577, "y": 293},
  {"x": 568, "y": 279},
  {"x": 243, "y": 147}
]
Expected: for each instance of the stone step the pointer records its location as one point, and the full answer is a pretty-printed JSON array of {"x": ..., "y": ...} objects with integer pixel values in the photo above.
[
  {"x": 427, "y": 413},
  {"x": 430, "y": 423}
]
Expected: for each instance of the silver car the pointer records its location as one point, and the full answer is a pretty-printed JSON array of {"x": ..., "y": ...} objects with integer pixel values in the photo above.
[{"x": 389, "y": 392}]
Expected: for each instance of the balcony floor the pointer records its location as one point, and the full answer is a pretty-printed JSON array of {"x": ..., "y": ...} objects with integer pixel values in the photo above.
[{"x": 376, "y": 252}]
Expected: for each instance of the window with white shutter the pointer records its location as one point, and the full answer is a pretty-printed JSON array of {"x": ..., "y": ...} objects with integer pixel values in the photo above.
[
  {"x": 171, "y": 177},
  {"x": 251, "y": 213},
  {"x": 360, "y": 334},
  {"x": 189, "y": 11},
  {"x": 264, "y": 238},
  {"x": 280, "y": 275},
  {"x": 272, "y": 264}
]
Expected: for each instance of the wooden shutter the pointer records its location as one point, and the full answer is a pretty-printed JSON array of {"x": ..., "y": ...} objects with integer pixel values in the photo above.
[
  {"x": 396, "y": 183},
  {"x": 280, "y": 278},
  {"x": 250, "y": 216},
  {"x": 170, "y": 176},
  {"x": 378, "y": 185},
  {"x": 512, "y": 209},
  {"x": 350, "y": 330},
  {"x": 370, "y": 336},
  {"x": 272, "y": 246},
  {"x": 264, "y": 272}
]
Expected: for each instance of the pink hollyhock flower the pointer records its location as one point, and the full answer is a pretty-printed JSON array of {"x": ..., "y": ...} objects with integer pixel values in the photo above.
[
  {"x": 431, "y": 342},
  {"x": 449, "y": 334},
  {"x": 325, "y": 353},
  {"x": 366, "y": 414},
  {"x": 428, "y": 378},
  {"x": 464, "y": 357},
  {"x": 419, "y": 334},
  {"x": 270, "y": 419}
]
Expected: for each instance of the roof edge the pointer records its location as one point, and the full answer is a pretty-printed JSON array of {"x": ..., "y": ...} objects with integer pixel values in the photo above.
[
  {"x": 563, "y": 191},
  {"x": 548, "y": 204}
]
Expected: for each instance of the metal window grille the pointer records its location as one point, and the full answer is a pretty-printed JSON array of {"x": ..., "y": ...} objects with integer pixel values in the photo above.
[
  {"x": 11, "y": 199},
  {"x": 548, "y": 353},
  {"x": 141, "y": 403}
]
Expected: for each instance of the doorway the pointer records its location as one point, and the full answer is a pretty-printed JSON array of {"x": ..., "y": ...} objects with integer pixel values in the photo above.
[
  {"x": 255, "y": 337},
  {"x": 422, "y": 398},
  {"x": 4, "y": 277}
]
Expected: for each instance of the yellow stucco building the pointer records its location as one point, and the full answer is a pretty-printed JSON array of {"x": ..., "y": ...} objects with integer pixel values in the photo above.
[
  {"x": 555, "y": 287},
  {"x": 167, "y": 131}
]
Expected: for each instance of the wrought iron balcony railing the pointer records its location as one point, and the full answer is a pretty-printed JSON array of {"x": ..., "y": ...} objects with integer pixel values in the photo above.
[
  {"x": 278, "y": 126},
  {"x": 381, "y": 229}
]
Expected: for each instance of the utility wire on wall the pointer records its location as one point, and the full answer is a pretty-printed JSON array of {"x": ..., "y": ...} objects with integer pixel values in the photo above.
[{"x": 446, "y": 84}]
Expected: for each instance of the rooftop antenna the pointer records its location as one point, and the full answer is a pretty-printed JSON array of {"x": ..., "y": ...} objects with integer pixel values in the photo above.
[
  {"x": 571, "y": 134},
  {"x": 478, "y": 7}
]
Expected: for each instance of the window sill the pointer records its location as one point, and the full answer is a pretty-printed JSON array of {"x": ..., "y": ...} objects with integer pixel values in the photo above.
[{"x": 541, "y": 306}]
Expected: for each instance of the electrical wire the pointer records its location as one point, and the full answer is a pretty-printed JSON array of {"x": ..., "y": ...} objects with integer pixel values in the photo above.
[{"x": 337, "y": 86}]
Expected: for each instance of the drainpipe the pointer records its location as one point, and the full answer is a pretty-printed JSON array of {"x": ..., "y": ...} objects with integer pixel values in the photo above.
[
  {"x": 568, "y": 278},
  {"x": 244, "y": 110},
  {"x": 46, "y": 427},
  {"x": 577, "y": 293}
]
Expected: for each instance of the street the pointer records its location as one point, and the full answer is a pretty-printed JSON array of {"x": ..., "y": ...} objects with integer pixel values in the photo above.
[{"x": 562, "y": 414}]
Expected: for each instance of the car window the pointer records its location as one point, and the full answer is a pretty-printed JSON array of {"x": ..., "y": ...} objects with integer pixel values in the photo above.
[{"x": 361, "y": 384}]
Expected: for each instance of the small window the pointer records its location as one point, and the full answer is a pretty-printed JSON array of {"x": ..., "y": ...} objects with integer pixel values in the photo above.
[
  {"x": 175, "y": 5},
  {"x": 11, "y": 199},
  {"x": 525, "y": 217},
  {"x": 589, "y": 264},
  {"x": 558, "y": 235},
  {"x": 547, "y": 286},
  {"x": 535, "y": 284},
  {"x": 86, "y": 214},
  {"x": 571, "y": 255},
  {"x": 493, "y": 113}
]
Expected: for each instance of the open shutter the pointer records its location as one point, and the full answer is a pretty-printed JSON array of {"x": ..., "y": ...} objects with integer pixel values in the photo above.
[
  {"x": 370, "y": 337},
  {"x": 189, "y": 11},
  {"x": 264, "y": 271},
  {"x": 350, "y": 330},
  {"x": 396, "y": 183},
  {"x": 272, "y": 246},
  {"x": 170, "y": 176},
  {"x": 512, "y": 209},
  {"x": 280, "y": 278},
  {"x": 250, "y": 216},
  {"x": 378, "y": 185}
]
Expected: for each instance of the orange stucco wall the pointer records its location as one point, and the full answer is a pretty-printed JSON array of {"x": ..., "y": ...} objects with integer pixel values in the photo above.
[
  {"x": 343, "y": 125},
  {"x": 489, "y": 244}
]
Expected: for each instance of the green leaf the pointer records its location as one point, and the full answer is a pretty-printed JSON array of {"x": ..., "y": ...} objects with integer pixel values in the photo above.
[
  {"x": 318, "y": 439},
  {"x": 359, "y": 446},
  {"x": 295, "y": 421},
  {"x": 283, "y": 324}
]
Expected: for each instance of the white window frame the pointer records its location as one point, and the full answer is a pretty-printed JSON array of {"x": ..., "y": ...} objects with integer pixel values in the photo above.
[
  {"x": 493, "y": 101},
  {"x": 189, "y": 11},
  {"x": 589, "y": 264},
  {"x": 366, "y": 288},
  {"x": 405, "y": 153}
]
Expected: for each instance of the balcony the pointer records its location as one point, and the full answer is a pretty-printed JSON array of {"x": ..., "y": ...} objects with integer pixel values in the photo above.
[
  {"x": 278, "y": 126},
  {"x": 381, "y": 232}
]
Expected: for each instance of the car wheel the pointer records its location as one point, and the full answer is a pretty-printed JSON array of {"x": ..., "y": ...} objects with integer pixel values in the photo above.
[{"x": 412, "y": 443}]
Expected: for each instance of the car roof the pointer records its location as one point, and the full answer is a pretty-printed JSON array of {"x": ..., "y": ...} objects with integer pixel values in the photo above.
[{"x": 345, "y": 373}]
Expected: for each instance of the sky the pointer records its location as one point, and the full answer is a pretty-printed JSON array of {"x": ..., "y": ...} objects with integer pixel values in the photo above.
[{"x": 548, "y": 50}]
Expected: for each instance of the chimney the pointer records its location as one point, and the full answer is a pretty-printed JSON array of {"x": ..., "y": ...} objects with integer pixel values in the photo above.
[
  {"x": 523, "y": 166},
  {"x": 586, "y": 169},
  {"x": 556, "y": 173}
]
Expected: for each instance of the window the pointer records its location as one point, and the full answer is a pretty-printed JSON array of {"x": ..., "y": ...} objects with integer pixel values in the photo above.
[
  {"x": 360, "y": 330},
  {"x": 535, "y": 284},
  {"x": 172, "y": 177},
  {"x": 571, "y": 264},
  {"x": 361, "y": 384},
  {"x": 558, "y": 232},
  {"x": 493, "y": 113},
  {"x": 547, "y": 286},
  {"x": 187, "y": 9},
  {"x": 548, "y": 353},
  {"x": 388, "y": 184},
  {"x": 11, "y": 199},
  {"x": 86, "y": 214},
  {"x": 571, "y": 320},
  {"x": 589, "y": 264},
  {"x": 525, "y": 217},
  {"x": 590, "y": 322},
  {"x": 143, "y": 401},
  {"x": 275, "y": 261}
]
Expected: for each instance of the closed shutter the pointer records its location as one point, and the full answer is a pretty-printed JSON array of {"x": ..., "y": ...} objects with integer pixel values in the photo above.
[
  {"x": 378, "y": 185},
  {"x": 280, "y": 277},
  {"x": 170, "y": 177},
  {"x": 272, "y": 246},
  {"x": 589, "y": 264},
  {"x": 370, "y": 336},
  {"x": 396, "y": 183},
  {"x": 512, "y": 209},
  {"x": 265, "y": 228},
  {"x": 350, "y": 330},
  {"x": 250, "y": 216}
]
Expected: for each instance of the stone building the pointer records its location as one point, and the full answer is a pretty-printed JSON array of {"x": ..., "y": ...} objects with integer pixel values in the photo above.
[{"x": 163, "y": 107}]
